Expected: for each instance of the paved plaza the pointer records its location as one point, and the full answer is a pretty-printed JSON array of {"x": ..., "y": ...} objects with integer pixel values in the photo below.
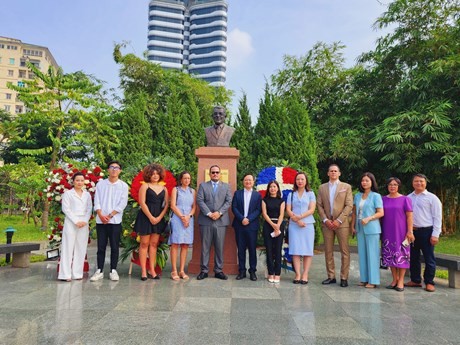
[{"x": 37, "y": 309}]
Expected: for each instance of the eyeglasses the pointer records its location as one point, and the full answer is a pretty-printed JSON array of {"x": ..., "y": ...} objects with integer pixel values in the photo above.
[
  {"x": 215, "y": 172},
  {"x": 113, "y": 167}
]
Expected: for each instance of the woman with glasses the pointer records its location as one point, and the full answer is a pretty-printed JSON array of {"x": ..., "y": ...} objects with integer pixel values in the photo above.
[
  {"x": 396, "y": 233},
  {"x": 150, "y": 221}
]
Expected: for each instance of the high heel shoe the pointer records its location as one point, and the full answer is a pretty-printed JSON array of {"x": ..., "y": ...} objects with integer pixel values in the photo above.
[{"x": 143, "y": 279}]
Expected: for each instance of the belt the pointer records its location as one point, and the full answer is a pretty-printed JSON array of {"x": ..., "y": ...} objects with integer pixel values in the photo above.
[
  {"x": 274, "y": 219},
  {"x": 423, "y": 228}
]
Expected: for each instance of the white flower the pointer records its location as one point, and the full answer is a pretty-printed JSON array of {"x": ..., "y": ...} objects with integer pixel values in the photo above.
[
  {"x": 56, "y": 180},
  {"x": 90, "y": 172},
  {"x": 101, "y": 174},
  {"x": 58, "y": 187},
  {"x": 48, "y": 195},
  {"x": 58, "y": 198},
  {"x": 86, "y": 181}
]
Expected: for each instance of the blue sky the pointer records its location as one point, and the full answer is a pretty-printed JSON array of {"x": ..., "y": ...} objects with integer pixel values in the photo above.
[{"x": 81, "y": 34}]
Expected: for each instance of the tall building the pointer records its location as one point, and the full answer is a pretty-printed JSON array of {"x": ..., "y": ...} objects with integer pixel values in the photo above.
[
  {"x": 190, "y": 35},
  {"x": 13, "y": 56}
]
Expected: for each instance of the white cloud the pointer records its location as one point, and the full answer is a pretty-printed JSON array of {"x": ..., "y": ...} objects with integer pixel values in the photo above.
[{"x": 239, "y": 47}]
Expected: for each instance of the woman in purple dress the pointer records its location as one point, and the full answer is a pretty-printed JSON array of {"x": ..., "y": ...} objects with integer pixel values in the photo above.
[{"x": 396, "y": 233}]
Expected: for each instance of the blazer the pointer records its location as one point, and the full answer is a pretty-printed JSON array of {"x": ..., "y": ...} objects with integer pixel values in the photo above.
[
  {"x": 373, "y": 201},
  {"x": 255, "y": 209},
  {"x": 208, "y": 202},
  {"x": 223, "y": 140},
  {"x": 343, "y": 203}
]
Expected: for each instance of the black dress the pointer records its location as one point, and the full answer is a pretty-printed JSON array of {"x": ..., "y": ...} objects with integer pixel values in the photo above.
[
  {"x": 273, "y": 245},
  {"x": 154, "y": 203}
]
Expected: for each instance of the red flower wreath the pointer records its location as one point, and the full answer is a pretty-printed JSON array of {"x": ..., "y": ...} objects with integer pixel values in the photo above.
[{"x": 169, "y": 182}]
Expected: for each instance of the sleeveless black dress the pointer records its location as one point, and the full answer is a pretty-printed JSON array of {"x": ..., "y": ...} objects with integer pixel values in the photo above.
[{"x": 154, "y": 203}]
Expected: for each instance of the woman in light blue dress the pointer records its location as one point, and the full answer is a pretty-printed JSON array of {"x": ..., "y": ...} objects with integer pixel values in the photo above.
[
  {"x": 301, "y": 204},
  {"x": 367, "y": 209},
  {"x": 183, "y": 205}
]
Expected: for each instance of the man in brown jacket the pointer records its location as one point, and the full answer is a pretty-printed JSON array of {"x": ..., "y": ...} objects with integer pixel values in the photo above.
[{"x": 335, "y": 203}]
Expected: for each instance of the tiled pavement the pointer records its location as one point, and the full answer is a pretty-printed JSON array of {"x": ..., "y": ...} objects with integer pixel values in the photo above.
[{"x": 37, "y": 309}]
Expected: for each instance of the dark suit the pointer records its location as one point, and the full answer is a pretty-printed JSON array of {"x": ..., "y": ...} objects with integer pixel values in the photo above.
[
  {"x": 246, "y": 235},
  {"x": 213, "y": 231}
]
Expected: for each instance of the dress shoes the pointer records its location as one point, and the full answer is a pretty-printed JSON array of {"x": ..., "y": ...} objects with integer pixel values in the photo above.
[
  {"x": 343, "y": 282},
  {"x": 252, "y": 276},
  {"x": 413, "y": 284},
  {"x": 430, "y": 288},
  {"x": 329, "y": 281},
  {"x": 221, "y": 275},
  {"x": 241, "y": 275},
  {"x": 202, "y": 275}
]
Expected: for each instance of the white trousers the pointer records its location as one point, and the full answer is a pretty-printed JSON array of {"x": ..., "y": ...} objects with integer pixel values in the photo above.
[{"x": 73, "y": 251}]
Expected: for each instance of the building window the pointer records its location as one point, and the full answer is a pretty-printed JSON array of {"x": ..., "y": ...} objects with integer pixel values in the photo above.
[
  {"x": 208, "y": 40},
  {"x": 165, "y": 49},
  {"x": 10, "y": 73},
  {"x": 11, "y": 61},
  {"x": 8, "y": 108},
  {"x": 167, "y": 20},
  {"x": 165, "y": 29},
  {"x": 165, "y": 39},
  {"x": 207, "y": 50},
  {"x": 164, "y": 59},
  {"x": 36, "y": 63},
  {"x": 202, "y": 61},
  {"x": 208, "y": 30},
  {"x": 21, "y": 84},
  {"x": 11, "y": 47},
  {"x": 208, "y": 10},
  {"x": 31, "y": 75},
  {"x": 8, "y": 96},
  {"x": 208, "y": 20},
  {"x": 32, "y": 52},
  {"x": 166, "y": 9},
  {"x": 2, "y": 46},
  {"x": 19, "y": 109},
  {"x": 22, "y": 74}
]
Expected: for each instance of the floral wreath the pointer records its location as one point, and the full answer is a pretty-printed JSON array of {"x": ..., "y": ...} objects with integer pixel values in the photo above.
[
  {"x": 285, "y": 178},
  {"x": 169, "y": 182}
]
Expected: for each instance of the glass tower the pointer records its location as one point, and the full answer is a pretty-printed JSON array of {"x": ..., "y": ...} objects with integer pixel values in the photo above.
[{"x": 191, "y": 36}]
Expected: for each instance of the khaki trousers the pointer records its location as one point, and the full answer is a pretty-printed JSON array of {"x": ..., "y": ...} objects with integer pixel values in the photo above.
[{"x": 342, "y": 234}]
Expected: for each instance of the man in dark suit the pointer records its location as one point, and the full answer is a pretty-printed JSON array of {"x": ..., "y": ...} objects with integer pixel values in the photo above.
[
  {"x": 335, "y": 203},
  {"x": 219, "y": 134},
  {"x": 246, "y": 207},
  {"x": 214, "y": 199}
]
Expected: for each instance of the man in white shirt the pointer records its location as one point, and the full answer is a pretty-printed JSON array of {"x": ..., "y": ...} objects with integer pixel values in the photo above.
[
  {"x": 427, "y": 213},
  {"x": 110, "y": 199}
]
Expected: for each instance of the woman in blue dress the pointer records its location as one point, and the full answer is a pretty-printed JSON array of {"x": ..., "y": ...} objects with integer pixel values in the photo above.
[
  {"x": 301, "y": 204},
  {"x": 367, "y": 209},
  {"x": 183, "y": 205}
]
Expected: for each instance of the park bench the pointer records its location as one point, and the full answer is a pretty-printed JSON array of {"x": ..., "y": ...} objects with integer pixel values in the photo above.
[
  {"x": 452, "y": 263},
  {"x": 20, "y": 251}
]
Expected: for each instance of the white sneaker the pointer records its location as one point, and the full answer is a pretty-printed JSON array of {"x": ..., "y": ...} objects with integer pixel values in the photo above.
[
  {"x": 114, "y": 275},
  {"x": 98, "y": 275}
]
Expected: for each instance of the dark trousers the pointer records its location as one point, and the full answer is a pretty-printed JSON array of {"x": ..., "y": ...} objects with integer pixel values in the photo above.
[
  {"x": 246, "y": 239},
  {"x": 273, "y": 247},
  {"x": 106, "y": 233},
  {"x": 422, "y": 243}
]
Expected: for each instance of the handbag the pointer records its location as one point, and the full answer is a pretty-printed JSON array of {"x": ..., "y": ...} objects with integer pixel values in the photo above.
[{"x": 168, "y": 229}]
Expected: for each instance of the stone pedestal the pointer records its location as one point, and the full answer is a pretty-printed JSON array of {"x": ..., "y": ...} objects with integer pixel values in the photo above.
[
  {"x": 21, "y": 260},
  {"x": 226, "y": 158}
]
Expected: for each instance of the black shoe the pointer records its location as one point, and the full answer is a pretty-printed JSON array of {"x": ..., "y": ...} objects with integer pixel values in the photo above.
[
  {"x": 252, "y": 276},
  {"x": 304, "y": 282},
  {"x": 343, "y": 282},
  {"x": 221, "y": 275},
  {"x": 296, "y": 281},
  {"x": 143, "y": 279},
  {"x": 157, "y": 277},
  {"x": 329, "y": 281},
  {"x": 202, "y": 275},
  {"x": 241, "y": 275},
  {"x": 399, "y": 289}
]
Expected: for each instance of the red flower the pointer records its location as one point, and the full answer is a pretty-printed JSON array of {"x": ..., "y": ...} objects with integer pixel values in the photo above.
[
  {"x": 138, "y": 180},
  {"x": 60, "y": 227},
  {"x": 50, "y": 199},
  {"x": 84, "y": 171},
  {"x": 54, "y": 231},
  {"x": 40, "y": 194},
  {"x": 289, "y": 175},
  {"x": 57, "y": 219},
  {"x": 133, "y": 234},
  {"x": 97, "y": 170}
]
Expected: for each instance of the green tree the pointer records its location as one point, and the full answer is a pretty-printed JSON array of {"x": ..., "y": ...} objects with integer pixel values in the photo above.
[
  {"x": 243, "y": 139},
  {"x": 76, "y": 113}
]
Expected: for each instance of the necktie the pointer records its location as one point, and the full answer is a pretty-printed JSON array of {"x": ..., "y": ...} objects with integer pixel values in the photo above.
[{"x": 214, "y": 187}]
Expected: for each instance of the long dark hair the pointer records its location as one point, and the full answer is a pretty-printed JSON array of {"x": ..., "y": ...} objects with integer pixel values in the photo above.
[
  {"x": 307, "y": 185},
  {"x": 181, "y": 175},
  {"x": 374, "y": 186},
  {"x": 267, "y": 192}
]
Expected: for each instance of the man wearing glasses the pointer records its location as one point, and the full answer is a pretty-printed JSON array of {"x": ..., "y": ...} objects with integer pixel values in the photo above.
[
  {"x": 110, "y": 199},
  {"x": 214, "y": 199}
]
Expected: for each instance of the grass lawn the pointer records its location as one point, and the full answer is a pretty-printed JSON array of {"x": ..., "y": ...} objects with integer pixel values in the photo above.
[{"x": 24, "y": 232}]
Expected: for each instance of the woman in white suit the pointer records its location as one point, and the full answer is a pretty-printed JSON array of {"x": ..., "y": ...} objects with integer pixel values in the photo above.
[
  {"x": 77, "y": 206},
  {"x": 367, "y": 209}
]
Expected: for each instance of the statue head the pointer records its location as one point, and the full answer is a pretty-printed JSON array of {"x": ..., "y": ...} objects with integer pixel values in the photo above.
[{"x": 219, "y": 115}]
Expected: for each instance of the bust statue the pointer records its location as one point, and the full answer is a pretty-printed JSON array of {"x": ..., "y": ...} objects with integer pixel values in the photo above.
[{"x": 219, "y": 134}]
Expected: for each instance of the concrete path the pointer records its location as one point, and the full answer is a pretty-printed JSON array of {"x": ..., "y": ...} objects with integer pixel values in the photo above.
[{"x": 35, "y": 308}]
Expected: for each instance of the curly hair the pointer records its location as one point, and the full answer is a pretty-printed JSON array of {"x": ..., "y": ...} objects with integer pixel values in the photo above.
[{"x": 150, "y": 168}]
